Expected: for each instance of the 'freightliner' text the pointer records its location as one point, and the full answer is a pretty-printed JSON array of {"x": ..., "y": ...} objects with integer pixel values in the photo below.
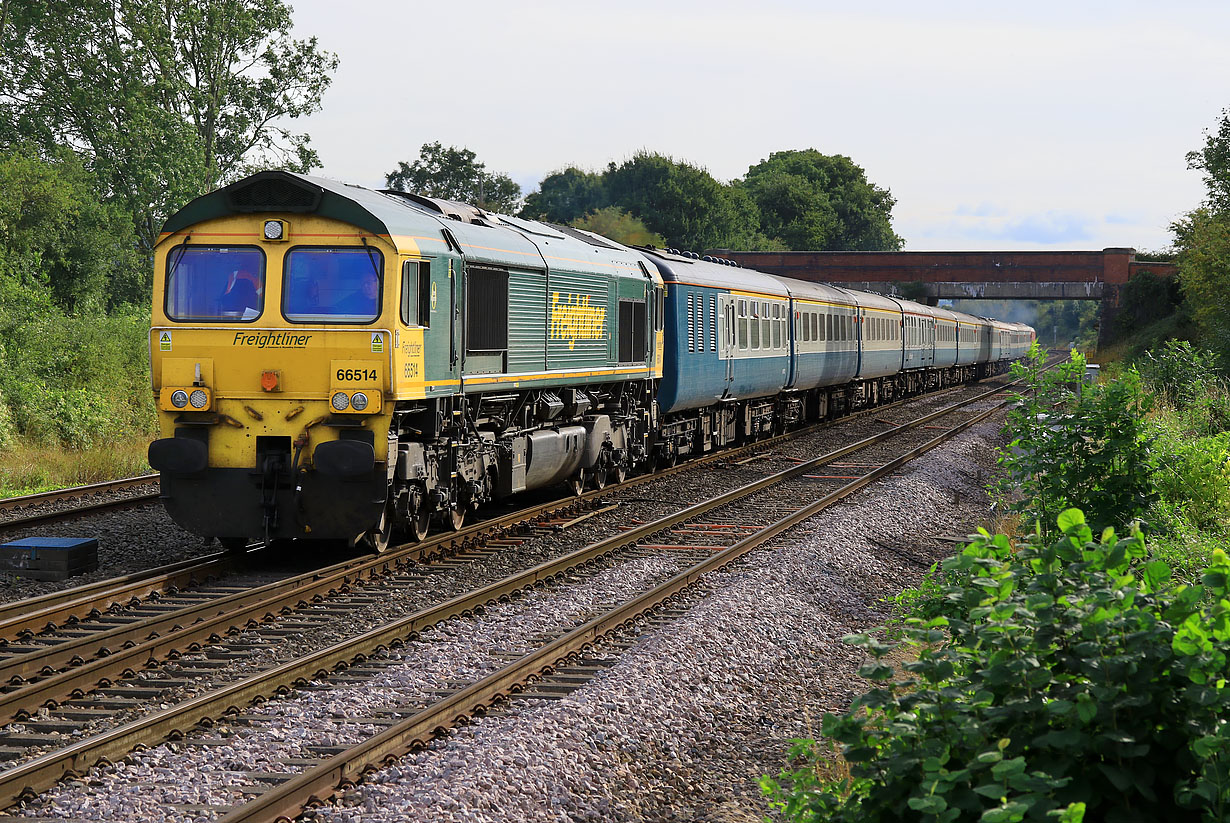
[{"x": 275, "y": 340}]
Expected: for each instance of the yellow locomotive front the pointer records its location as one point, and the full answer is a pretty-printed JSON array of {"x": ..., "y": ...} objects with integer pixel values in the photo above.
[{"x": 272, "y": 353}]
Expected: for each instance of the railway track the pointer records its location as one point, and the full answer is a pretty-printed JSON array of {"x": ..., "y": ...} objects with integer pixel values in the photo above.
[
  {"x": 15, "y": 514},
  {"x": 77, "y": 607},
  {"x": 713, "y": 533}
]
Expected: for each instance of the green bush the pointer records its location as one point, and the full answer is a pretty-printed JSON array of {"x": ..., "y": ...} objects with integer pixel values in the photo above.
[
  {"x": 1193, "y": 477},
  {"x": 1075, "y": 680},
  {"x": 1075, "y": 446},
  {"x": 73, "y": 380},
  {"x": 7, "y": 430},
  {"x": 1188, "y": 379}
]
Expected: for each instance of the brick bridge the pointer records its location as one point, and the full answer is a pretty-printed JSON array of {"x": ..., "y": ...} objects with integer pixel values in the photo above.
[{"x": 995, "y": 275}]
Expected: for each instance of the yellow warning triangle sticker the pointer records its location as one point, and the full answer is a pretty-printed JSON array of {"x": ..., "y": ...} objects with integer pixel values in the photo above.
[
  {"x": 164, "y": 341},
  {"x": 377, "y": 342}
]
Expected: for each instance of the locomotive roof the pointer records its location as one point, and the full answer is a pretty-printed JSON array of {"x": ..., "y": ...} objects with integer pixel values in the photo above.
[
  {"x": 482, "y": 237},
  {"x": 287, "y": 192}
]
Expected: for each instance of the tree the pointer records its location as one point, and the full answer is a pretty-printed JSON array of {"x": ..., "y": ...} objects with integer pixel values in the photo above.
[
  {"x": 619, "y": 226},
  {"x": 1214, "y": 161},
  {"x": 57, "y": 240},
  {"x": 1202, "y": 239},
  {"x": 455, "y": 174},
  {"x": 683, "y": 203},
  {"x": 814, "y": 201},
  {"x": 565, "y": 196},
  {"x": 163, "y": 99}
]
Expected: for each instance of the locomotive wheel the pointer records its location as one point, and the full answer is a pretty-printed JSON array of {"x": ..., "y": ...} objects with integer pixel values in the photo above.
[
  {"x": 576, "y": 483},
  {"x": 379, "y": 538},
  {"x": 420, "y": 524},
  {"x": 619, "y": 474},
  {"x": 598, "y": 478},
  {"x": 455, "y": 518}
]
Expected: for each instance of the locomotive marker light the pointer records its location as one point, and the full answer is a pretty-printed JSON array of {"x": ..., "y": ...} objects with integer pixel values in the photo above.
[
  {"x": 358, "y": 401},
  {"x": 340, "y": 401},
  {"x": 179, "y": 398},
  {"x": 275, "y": 230},
  {"x": 199, "y": 399}
]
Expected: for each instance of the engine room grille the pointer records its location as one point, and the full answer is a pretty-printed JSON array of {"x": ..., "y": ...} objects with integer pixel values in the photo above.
[{"x": 486, "y": 310}]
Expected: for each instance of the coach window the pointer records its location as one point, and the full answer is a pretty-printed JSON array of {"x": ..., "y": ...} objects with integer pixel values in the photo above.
[
  {"x": 215, "y": 283},
  {"x": 765, "y": 333},
  {"x": 743, "y": 338},
  {"x": 776, "y": 325},
  {"x": 755, "y": 341}
]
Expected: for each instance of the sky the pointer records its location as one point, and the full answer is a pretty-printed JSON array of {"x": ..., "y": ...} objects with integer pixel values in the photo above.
[{"x": 997, "y": 126}]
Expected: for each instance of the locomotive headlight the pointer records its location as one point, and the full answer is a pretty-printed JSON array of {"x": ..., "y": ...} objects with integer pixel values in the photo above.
[
  {"x": 274, "y": 229},
  {"x": 179, "y": 398},
  {"x": 199, "y": 399},
  {"x": 340, "y": 401},
  {"x": 358, "y": 401}
]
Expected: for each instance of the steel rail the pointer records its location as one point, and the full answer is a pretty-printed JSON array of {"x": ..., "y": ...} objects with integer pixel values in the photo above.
[
  {"x": 19, "y": 617},
  {"x": 13, "y": 523},
  {"x": 71, "y": 492},
  {"x": 42, "y": 772},
  {"x": 287, "y": 800}
]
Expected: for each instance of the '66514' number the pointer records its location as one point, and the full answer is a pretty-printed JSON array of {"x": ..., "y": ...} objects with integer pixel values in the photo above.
[{"x": 356, "y": 374}]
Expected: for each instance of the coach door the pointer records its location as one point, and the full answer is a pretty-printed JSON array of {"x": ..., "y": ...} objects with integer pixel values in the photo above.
[{"x": 726, "y": 339}]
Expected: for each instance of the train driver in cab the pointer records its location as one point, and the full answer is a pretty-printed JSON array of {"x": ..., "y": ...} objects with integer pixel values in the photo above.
[
  {"x": 362, "y": 302},
  {"x": 242, "y": 295}
]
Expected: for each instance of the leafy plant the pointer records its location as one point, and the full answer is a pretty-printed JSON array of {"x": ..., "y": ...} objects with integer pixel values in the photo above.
[
  {"x": 1180, "y": 373},
  {"x": 1074, "y": 679},
  {"x": 1194, "y": 478},
  {"x": 1075, "y": 446}
]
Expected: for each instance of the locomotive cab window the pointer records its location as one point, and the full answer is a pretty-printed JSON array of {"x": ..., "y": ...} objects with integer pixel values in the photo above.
[
  {"x": 415, "y": 292},
  {"x": 332, "y": 285},
  {"x": 215, "y": 283},
  {"x": 633, "y": 339}
]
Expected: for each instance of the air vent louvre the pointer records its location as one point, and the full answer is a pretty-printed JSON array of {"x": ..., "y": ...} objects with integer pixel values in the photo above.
[{"x": 274, "y": 192}]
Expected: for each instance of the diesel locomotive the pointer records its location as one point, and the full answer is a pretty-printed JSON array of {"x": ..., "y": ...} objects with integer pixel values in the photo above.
[{"x": 333, "y": 362}]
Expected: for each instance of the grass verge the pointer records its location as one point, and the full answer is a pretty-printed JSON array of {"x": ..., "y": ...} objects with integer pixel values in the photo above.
[{"x": 29, "y": 467}]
